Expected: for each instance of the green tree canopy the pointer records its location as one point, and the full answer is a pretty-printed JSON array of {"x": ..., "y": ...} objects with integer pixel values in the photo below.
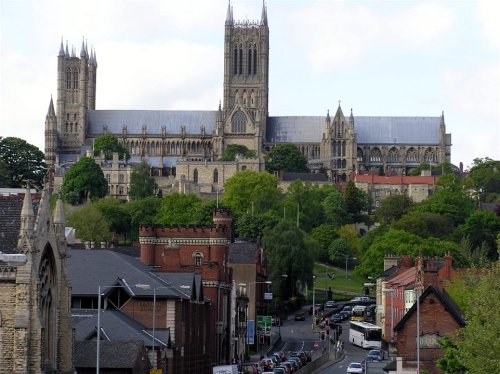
[
  {"x": 251, "y": 191},
  {"x": 25, "y": 163},
  {"x": 108, "y": 144},
  {"x": 334, "y": 208},
  {"x": 180, "y": 209},
  {"x": 339, "y": 251},
  {"x": 479, "y": 341},
  {"x": 287, "y": 158},
  {"x": 83, "y": 180},
  {"x": 116, "y": 214},
  {"x": 90, "y": 224},
  {"x": 142, "y": 184},
  {"x": 5, "y": 178},
  {"x": 236, "y": 149},
  {"x": 142, "y": 212},
  {"x": 357, "y": 202},
  {"x": 251, "y": 226},
  {"x": 425, "y": 224},
  {"x": 392, "y": 208},
  {"x": 324, "y": 234},
  {"x": 484, "y": 176},
  {"x": 288, "y": 253},
  {"x": 481, "y": 227},
  {"x": 304, "y": 200}
]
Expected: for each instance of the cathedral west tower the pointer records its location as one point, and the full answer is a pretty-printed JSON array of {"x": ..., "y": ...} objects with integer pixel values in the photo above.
[{"x": 246, "y": 81}]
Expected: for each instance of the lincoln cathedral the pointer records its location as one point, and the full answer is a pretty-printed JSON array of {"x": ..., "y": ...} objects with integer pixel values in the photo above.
[{"x": 183, "y": 148}]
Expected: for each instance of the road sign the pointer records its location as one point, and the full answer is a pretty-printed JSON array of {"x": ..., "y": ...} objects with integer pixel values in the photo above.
[
  {"x": 264, "y": 325},
  {"x": 250, "y": 331}
]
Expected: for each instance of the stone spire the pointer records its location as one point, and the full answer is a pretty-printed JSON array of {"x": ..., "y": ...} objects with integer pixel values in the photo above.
[
  {"x": 442, "y": 124},
  {"x": 51, "y": 113},
  {"x": 59, "y": 220},
  {"x": 229, "y": 14},
  {"x": 27, "y": 217},
  {"x": 263, "y": 18},
  {"x": 82, "y": 50},
  {"x": 61, "y": 49},
  {"x": 351, "y": 120},
  {"x": 67, "y": 50}
]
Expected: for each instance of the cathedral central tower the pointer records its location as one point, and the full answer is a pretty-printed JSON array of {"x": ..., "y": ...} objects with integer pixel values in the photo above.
[{"x": 246, "y": 81}]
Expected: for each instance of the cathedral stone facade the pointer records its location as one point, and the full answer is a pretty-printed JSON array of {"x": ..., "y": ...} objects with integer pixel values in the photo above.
[
  {"x": 36, "y": 335},
  {"x": 176, "y": 142}
]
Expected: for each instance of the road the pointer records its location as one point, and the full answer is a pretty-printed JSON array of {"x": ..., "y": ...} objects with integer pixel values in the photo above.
[{"x": 299, "y": 335}]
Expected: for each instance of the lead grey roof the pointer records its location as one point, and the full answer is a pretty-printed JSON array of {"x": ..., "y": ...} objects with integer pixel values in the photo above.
[
  {"x": 90, "y": 268},
  {"x": 242, "y": 253},
  {"x": 115, "y": 120},
  {"x": 113, "y": 355},
  {"x": 369, "y": 130}
]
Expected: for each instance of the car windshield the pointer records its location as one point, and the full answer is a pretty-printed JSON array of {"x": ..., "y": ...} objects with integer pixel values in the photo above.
[{"x": 355, "y": 365}]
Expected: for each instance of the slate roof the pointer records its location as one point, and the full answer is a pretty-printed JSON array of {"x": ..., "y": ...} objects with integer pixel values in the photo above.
[
  {"x": 114, "y": 120},
  {"x": 388, "y": 272},
  {"x": 444, "y": 298},
  {"x": 242, "y": 253},
  {"x": 117, "y": 326},
  {"x": 305, "y": 177},
  {"x": 369, "y": 130},
  {"x": 91, "y": 268},
  {"x": 10, "y": 222},
  {"x": 113, "y": 355}
]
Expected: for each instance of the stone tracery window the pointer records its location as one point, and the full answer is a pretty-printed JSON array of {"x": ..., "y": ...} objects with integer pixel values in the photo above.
[
  {"x": 393, "y": 155},
  {"x": 411, "y": 155},
  {"x": 47, "y": 303},
  {"x": 238, "y": 122},
  {"x": 375, "y": 155},
  {"x": 216, "y": 176},
  {"x": 429, "y": 156}
]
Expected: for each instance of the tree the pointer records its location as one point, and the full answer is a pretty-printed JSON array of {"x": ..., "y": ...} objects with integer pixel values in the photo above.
[
  {"x": 392, "y": 208},
  {"x": 236, "y": 149},
  {"x": 425, "y": 224},
  {"x": 356, "y": 202},
  {"x": 180, "y": 209},
  {"x": 5, "y": 178},
  {"x": 339, "y": 251},
  {"x": 350, "y": 235},
  {"x": 481, "y": 227},
  {"x": 479, "y": 341},
  {"x": 142, "y": 184},
  {"x": 450, "y": 363},
  {"x": 142, "y": 212},
  {"x": 484, "y": 176},
  {"x": 25, "y": 162},
  {"x": 288, "y": 253},
  {"x": 303, "y": 199},
  {"x": 251, "y": 191},
  {"x": 324, "y": 235},
  {"x": 83, "y": 180},
  {"x": 334, "y": 208},
  {"x": 287, "y": 158},
  {"x": 108, "y": 144},
  {"x": 251, "y": 226},
  {"x": 90, "y": 224},
  {"x": 116, "y": 214}
]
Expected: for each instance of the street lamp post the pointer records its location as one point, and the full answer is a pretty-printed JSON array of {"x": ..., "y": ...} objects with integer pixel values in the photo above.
[
  {"x": 314, "y": 301},
  {"x": 418, "y": 329},
  {"x": 347, "y": 259}
]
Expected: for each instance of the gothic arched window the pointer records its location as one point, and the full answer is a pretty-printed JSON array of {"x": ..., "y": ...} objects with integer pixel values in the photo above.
[
  {"x": 240, "y": 70},
  {"x": 249, "y": 59},
  {"x": 375, "y": 155},
  {"x": 75, "y": 79},
  {"x": 411, "y": 155},
  {"x": 235, "y": 62},
  {"x": 359, "y": 155},
  {"x": 68, "y": 79},
  {"x": 47, "y": 300},
  {"x": 429, "y": 156},
  {"x": 197, "y": 259},
  {"x": 216, "y": 176},
  {"x": 255, "y": 61},
  {"x": 238, "y": 122},
  {"x": 195, "y": 176},
  {"x": 393, "y": 155}
]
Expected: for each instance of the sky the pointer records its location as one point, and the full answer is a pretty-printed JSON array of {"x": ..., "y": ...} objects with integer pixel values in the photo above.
[{"x": 380, "y": 58}]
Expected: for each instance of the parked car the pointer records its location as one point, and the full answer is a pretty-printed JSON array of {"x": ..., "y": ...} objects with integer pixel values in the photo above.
[
  {"x": 330, "y": 304},
  {"x": 355, "y": 368},
  {"x": 364, "y": 299},
  {"x": 345, "y": 314},
  {"x": 300, "y": 316},
  {"x": 372, "y": 358}
]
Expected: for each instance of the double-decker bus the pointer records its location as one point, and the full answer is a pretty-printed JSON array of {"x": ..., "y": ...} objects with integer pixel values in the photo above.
[
  {"x": 365, "y": 335},
  {"x": 358, "y": 313}
]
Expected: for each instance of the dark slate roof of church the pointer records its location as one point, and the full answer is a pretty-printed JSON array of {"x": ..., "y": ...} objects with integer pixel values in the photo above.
[
  {"x": 117, "y": 326},
  {"x": 113, "y": 355},
  {"x": 242, "y": 253},
  {"x": 10, "y": 222},
  {"x": 369, "y": 130},
  {"x": 114, "y": 120},
  {"x": 90, "y": 268},
  {"x": 280, "y": 129}
]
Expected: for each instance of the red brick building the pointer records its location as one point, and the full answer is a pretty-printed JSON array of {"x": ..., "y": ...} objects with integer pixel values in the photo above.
[
  {"x": 203, "y": 250},
  {"x": 439, "y": 316}
]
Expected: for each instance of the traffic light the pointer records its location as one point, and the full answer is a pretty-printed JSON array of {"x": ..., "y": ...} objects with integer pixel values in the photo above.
[{"x": 322, "y": 336}]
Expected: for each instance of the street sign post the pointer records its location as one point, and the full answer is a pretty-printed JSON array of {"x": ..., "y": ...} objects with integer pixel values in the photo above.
[{"x": 264, "y": 325}]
